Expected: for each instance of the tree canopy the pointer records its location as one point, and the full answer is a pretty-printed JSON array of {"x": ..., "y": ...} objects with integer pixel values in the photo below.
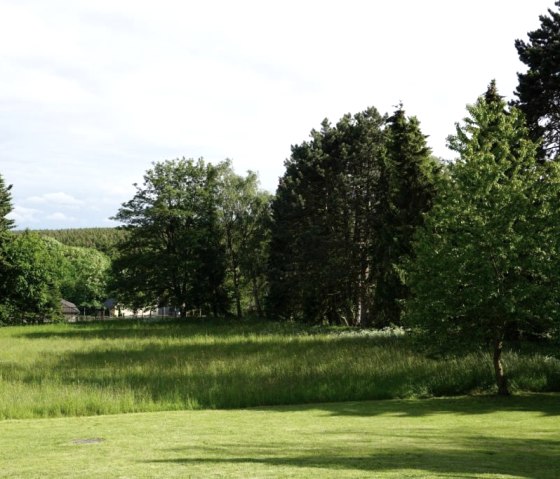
[
  {"x": 192, "y": 227},
  {"x": 173, "y": 254},
  {"x": 342, "y": 219},
  {"x": 487, "y": 260}
]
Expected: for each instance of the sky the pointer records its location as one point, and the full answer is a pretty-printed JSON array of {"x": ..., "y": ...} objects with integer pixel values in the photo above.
[{"x": 93, "y": 92}]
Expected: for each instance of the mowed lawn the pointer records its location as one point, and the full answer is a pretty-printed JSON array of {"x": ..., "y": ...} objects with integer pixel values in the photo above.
[{"x": 464, "y": 437}]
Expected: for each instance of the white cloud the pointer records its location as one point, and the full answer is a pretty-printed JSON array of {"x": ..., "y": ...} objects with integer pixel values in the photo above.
[
  {"x": 23, "y": 216},
  {"x": 60, "y": 198},
  {"x": 92, "y": 92},
  {"x": 58, "y": 216}
]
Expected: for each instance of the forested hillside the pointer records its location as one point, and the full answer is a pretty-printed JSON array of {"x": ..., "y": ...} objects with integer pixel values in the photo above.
[{"x": 102, "y": 239}]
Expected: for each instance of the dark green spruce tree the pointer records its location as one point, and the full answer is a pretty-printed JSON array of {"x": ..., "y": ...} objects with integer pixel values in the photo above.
[
  {"x": 538, "y": 90},
  {"x": 322, "y": 234},
  {"x": 405, "y": 191},
  {"x": 5, "y": 225}
]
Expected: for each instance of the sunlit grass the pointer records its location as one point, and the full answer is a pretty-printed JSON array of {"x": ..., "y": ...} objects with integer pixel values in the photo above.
[
  {"x": 465, "y": 437},
  {"x": 129, "y": 366}
]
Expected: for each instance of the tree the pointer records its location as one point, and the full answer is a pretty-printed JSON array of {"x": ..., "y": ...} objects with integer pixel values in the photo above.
[
  {"x": 322, "y": 235},
  {"x": 487, "y": 260},
  {"x": 83, "y": 273},
  {"x": 5, "y": 207},
  {"x": 404, "y": 193},
  {"x": 243, "y": 212},
  {"x": 173, "y": 254},
  {"x": 538, "y": 91},
  {"x": 343, "y": 219},
  {"x": 5, "y": 225},
  {"x": 102, "y": 239},
  {"x": 31, "y": 280}
]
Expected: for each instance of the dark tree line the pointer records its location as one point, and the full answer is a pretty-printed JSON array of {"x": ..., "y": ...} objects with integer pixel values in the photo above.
[{"x": 343, "y": 218}]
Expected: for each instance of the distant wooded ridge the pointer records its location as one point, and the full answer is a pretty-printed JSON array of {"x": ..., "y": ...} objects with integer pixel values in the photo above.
[{"x": 103, "y": 239}]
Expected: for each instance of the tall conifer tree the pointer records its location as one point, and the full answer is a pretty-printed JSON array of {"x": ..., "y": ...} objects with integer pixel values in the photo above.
[
  {"x": 538, "y": 90},
  {"x": 321, "y": 245},
  {"x": 405, "y": 192}
]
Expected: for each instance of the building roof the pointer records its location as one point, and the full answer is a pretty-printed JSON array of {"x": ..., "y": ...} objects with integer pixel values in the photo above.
[{"x": 68, "y": 307}]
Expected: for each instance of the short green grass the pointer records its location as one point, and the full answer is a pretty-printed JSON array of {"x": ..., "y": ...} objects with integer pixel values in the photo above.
[
  {"x": 464, "y": 437},
  {"x": 130, "y": 366}
]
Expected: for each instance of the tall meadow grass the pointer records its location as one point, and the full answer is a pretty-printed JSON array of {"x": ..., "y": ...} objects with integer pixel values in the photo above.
[{"x": 129, "y": 366}]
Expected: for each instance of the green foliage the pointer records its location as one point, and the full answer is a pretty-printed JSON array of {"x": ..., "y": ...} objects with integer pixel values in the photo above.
[
  {"x": 343, "y": 219},
  {"x": 5, "y": 269},
  {"x": 83, "y": 274},
  {"x": 322, "y": 236},
  {"x": 30, "y": 281},
  {"x": 404, "y": 192},
  {"x": 487, "y": 260},
  {"x": 173, "y": 254},
  {"x": 538, "y": 91},
  {"x": 5, "y": 207},
  {"x": 244, "y": 215}
]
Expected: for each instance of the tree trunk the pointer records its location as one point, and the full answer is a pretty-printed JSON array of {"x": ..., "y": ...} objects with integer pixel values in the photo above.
[
  {"x": 237, "y": 288},
  {"x": 256, "y": 296},
  {"x": 501, "y": 379}
]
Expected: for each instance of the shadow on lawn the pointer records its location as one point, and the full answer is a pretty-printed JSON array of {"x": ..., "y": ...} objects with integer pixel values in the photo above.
[
  {"x": 165, "y": 328},
  {"x": 248, "y": 373},
  {"x": 239, "y": 372},
  {"x": 546, "y": 404},
  {"x": 466, "y": 457}
]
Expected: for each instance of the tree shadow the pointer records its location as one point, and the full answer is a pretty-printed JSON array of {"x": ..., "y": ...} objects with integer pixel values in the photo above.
[
  {"x": 225, "y": 365},
  {"x": 547, "y": 404},
  {"x": 467, "y": 457}
]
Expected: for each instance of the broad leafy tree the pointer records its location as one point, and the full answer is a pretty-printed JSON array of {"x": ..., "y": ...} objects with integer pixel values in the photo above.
[
  {"x": 83, "y": 274},
  {"x": 538, "y": 91},
  {"x": 29, "y": 279},
  {"x": 173, "y": 253},
  {"x": 487, "y": 259},
  {"x": 243, "y": 213},
  {"x": 32, "y": 280}
]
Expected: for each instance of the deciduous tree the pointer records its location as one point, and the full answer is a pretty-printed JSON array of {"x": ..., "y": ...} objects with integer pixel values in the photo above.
[
  {"x": 244, "y": 210},
  {"x": 173, "y": 254},
  {"x": 487, "y": 260}
]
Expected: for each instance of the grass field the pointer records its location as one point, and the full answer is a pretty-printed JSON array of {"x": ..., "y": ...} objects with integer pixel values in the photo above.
[
  {"x": 472, "y": 437},
  {"x": 127, "y": 366}
]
